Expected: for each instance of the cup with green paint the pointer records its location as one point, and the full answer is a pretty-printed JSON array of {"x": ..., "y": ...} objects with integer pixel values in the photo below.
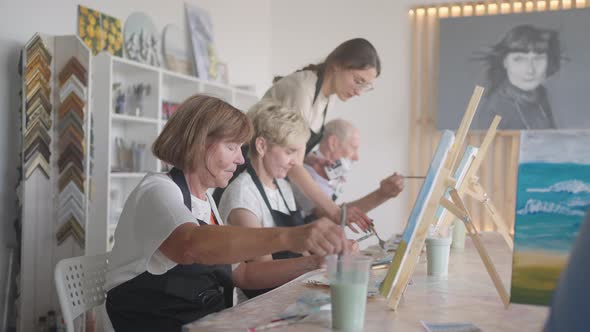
[{"x": 349, "y": 280}]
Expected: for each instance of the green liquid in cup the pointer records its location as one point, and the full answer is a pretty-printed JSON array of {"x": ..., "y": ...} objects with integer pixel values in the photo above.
[{"x": 348, "y": 306}]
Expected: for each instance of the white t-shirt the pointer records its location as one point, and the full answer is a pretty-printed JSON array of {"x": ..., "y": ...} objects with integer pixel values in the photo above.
[
  {"x": 243, "y": 194},
  {"x": 151, "y": 213},
  {"x": 296, "y": 91}
]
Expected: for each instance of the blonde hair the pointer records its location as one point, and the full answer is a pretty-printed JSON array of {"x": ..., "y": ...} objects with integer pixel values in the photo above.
[
  {"x": 277, "y": 124},
  {"x": 199, "y": 121}
]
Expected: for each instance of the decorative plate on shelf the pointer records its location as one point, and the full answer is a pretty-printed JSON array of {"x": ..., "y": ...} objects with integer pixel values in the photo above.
[
  {"x": 175, "y": 50},
  {"x": 141, "y": 39}
]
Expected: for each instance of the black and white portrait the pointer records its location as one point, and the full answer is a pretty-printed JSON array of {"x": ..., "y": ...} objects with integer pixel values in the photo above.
[{"x": 535, "y": 68}]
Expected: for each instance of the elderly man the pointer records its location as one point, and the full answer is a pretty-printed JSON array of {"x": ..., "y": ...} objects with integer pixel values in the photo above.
[{"x": 340, "y": 144}]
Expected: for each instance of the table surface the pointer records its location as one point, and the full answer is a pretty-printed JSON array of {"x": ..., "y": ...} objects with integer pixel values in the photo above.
[{"x": 467, "y": 295}]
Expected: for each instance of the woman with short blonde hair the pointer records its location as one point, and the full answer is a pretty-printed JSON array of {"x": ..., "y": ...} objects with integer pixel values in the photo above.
[
  {"x": 277, "y": 124},
  {"x": 170, "y": 264},
  {"x": 261, "y": 197}
]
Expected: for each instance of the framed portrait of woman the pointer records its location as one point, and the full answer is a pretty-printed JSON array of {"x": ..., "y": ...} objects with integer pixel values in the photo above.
[{"x": 534, "y": 67}]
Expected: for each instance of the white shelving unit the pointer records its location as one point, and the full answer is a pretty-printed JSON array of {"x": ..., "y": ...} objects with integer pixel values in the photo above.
[{"x": 113, "y": 185}]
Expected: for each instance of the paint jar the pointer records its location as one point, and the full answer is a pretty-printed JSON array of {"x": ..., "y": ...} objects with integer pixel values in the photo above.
[
  {"x": 437, "y": 252},
  {"x": 458, "y": 235},
  {"x": 349, "y": 280}
]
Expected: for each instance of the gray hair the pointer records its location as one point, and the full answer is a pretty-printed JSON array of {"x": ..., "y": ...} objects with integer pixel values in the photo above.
[{"x": 339, "y": 128}]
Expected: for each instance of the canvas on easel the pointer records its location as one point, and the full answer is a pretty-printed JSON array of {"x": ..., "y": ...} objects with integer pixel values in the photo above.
[
  {"x": 553, "y": 194},
  {"x": 424, "y": 212},
  {"x": 417, "y": 217}
]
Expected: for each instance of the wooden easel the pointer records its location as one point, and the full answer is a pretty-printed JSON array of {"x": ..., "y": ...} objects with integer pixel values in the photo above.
[
  {"x": 457, "y": 207},
  {"x": 445, "y": 182},
  {"x": 471, "y": 186}
]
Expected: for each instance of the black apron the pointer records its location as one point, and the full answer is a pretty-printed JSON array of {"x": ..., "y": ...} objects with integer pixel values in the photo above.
[
  {"x": 315, "y": 138},
  {"x": 280, "y": 219},
  {"x": 165, "y": 302}
]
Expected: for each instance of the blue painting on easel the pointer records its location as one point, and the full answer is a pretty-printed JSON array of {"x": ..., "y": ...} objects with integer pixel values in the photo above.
[
  {"x": 553, "y": 195},
  {"x": 417, "y": 215}
]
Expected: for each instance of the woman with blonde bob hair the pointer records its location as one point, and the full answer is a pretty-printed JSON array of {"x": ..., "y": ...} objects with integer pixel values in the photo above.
[
  {"x": 170, "y": 264},
  {"x": 261, "y": 197}
]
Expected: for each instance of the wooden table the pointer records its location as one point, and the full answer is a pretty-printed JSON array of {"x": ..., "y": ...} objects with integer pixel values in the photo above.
[{"x": 468, "y": 295}]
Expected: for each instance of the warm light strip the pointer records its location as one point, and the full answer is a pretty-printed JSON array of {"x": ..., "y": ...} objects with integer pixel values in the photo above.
[
  {"x": 529, "y": 6},
  {"x": 467, "y": 10},
  {"x": 495, "y": 8},
  {"x": 480, "y": 9},
  {"x": 505, "y": 8},
  {"x": 492, "y": 8}
]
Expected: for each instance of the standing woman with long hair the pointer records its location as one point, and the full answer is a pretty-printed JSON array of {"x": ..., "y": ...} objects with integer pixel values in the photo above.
[{"x": 348, "y": 71}]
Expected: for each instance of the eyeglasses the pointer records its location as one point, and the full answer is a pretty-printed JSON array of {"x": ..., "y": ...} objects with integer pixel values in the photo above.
[{"x": 361, "y": 84}]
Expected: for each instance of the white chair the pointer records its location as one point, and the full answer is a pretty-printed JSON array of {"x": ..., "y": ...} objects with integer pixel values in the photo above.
[{"x": 80, "y": 285}]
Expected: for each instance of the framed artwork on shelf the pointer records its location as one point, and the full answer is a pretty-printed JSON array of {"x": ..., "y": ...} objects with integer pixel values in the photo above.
[
  {"x": 100, "y": 31},
  {"x": 203, "y": 48}
]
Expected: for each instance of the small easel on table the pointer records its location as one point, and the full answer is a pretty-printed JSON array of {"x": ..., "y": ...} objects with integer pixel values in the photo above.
[
  {"x": 470, "y": 185},
  {"x": 402, "y": 267}
]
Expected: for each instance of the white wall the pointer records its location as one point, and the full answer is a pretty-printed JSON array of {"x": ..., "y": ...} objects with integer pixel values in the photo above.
[
  {"x": 242, "y": 39},
  {"x": 258, "y": 39},
  {"x": 306, "y": 31}
]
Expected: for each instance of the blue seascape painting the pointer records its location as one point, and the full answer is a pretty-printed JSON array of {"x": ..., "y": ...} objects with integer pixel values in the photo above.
[{"x": 553, "y": 195}]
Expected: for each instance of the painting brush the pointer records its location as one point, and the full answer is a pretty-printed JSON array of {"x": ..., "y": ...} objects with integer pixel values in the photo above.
[
  {"x": 278, "y": 322},
  {"x": 414, "y": 177},
  {"x": 343, "y": 225},
  {"x": 362, "y": 238}
]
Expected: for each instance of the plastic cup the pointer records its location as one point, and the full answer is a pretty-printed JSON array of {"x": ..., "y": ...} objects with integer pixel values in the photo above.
[
  {"x": 349, "y": 280},
  {"x": 458, "y": 234},
  {"x": 437, "y": 252}
]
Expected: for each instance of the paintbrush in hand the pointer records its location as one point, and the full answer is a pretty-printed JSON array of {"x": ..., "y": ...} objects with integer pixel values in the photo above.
[{"x": 343, "y": 225}]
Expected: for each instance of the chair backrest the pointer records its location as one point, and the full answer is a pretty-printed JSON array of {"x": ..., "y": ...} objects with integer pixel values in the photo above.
[{"x": 80, "y": 285}]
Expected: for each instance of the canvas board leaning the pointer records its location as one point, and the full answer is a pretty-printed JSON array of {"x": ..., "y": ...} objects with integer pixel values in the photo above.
[{"x": 553, "y": 195}]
